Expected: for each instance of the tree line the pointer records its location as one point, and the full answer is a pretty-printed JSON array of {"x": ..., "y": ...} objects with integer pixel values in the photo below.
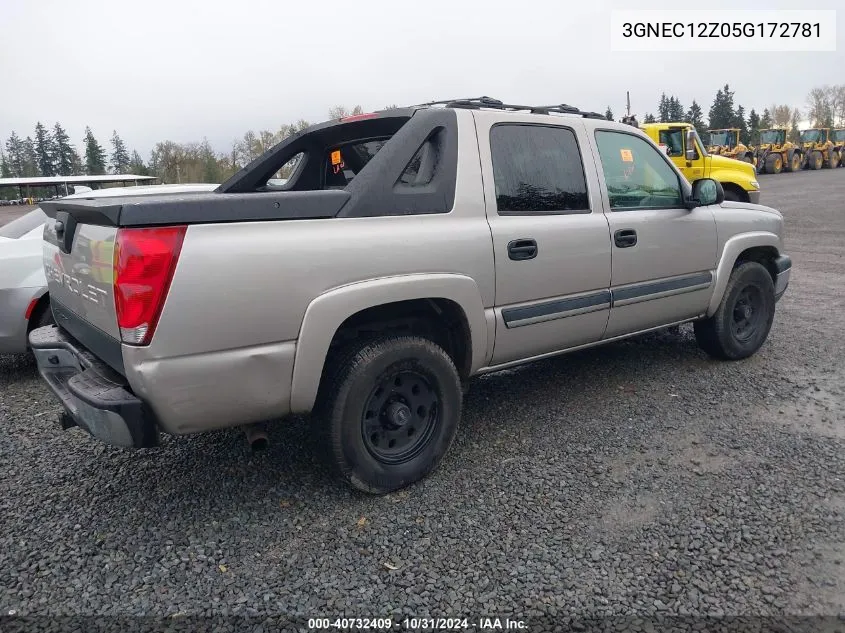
[
  {"x": 49, "y": 151},
  {"x": 825, "y": 109}
]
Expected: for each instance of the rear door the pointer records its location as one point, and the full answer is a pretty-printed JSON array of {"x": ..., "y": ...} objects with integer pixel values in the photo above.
[
  {"x": 550, "y": 238},
  {"x": 663, "y": 255}
]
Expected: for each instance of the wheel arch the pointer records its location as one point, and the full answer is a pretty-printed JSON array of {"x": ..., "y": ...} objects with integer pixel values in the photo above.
[
  {"x": 759, "y": 246},
  {"x": 40, "y": 302},
  {"x": 452, "y": 302}
]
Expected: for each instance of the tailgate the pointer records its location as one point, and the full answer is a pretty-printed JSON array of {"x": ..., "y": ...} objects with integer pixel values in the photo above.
[{"x": 79, "y": 278}]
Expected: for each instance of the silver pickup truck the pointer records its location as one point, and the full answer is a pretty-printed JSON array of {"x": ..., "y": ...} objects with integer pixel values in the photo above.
[{"x": 366, "y": 268}]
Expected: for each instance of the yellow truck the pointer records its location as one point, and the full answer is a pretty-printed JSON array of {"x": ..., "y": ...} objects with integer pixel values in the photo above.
[
  {"x": 686, "y": 149},
  {"x": 776, "y": 153},
  {"x": 819, "y": 149},
  {"x": 727, "y": 143}
]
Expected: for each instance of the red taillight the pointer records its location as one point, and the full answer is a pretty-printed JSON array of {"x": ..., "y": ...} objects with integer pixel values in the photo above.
[
  {"x": 144, "y": 261},
  {"x": 358, "y": 117}
]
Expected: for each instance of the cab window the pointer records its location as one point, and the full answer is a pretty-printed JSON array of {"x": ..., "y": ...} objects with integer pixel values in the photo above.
[
  {"x": 636, "y": 174},
  {"x": 673, "y": 140}
]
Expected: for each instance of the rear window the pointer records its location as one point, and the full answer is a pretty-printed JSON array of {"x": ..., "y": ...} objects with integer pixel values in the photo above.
[
  {"x": 345, "y": 161},
  {"x": 23, "y": 225}
]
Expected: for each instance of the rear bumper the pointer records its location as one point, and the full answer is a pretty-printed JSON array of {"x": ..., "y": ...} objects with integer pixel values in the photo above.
[
  {"x": 783, "y": 264},
  {"x": 95, "y": 397}
]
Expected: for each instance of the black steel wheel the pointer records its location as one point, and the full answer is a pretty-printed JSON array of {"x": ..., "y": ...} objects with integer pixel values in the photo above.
[
  {"x": 748, "y": 314},
  {"x": 400, "y": 416},
  {"x": 744, "y": 317},
  {"x": 390, "y": 407}
]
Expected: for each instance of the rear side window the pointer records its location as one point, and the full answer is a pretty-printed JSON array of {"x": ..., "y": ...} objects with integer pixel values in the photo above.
[{"x": 537, "y": 169}]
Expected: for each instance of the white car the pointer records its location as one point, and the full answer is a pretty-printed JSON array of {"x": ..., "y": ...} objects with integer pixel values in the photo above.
[{"x": 24, "y": 302}]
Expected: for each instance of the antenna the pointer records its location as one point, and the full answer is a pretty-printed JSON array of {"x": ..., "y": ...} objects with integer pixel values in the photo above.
[{"x": 628, "y": 97}]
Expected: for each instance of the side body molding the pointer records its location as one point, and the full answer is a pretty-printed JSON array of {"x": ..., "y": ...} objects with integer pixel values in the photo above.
[
  {"x": 732, "y": 249},
  {"x": 327, "y": 312}
]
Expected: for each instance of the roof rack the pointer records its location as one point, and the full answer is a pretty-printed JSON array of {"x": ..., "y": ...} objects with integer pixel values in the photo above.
[{"x": 488, "y": 102}]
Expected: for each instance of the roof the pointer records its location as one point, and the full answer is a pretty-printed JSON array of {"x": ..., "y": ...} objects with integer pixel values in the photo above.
[{"x": 43, "y": 181}]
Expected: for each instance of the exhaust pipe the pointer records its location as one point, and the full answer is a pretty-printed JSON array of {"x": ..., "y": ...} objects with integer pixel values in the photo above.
[{"x": 256, "y": 435}]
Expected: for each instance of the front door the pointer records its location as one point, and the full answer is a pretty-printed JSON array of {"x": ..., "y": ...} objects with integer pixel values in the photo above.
[
  {"x": 663, "y": 255},
  {"x": 550, "y": 236},
  {"x": 675, "y": 142}
]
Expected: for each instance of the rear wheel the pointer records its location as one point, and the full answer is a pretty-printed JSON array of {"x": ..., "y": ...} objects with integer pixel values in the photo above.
[
  {"x": 774, "y": 163},
  {"x": 391, "y": 410},
  {"x": 833, "y": 161},
  {"x": 794, "y": 162},
  {"x": 742, "y": 322},
  {"x": 816, "y": 159}
]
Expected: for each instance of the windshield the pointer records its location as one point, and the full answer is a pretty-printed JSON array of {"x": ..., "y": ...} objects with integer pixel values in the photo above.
[
  {"x": 812, "y": 136},
  {"x": 772, "y": 137},
  {"x": 723, "y": 137},
  {"x": 23, "y": 225},
  {"x": 839, "y": 135}
]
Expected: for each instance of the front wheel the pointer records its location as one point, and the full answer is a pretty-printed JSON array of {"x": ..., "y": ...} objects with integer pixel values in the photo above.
[
  {"x": 816, "y": 160},
  {"x": 391, "y": 406},
  {"x": 741, "y": 323},
  {"x": 833, "y": 161},
  {"x": 774, "y": 164}
]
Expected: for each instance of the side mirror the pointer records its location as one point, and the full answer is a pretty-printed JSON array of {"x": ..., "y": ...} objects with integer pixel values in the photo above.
[
  {"x": 706, "y": 191},
  {"x": 690, "y": 145}
]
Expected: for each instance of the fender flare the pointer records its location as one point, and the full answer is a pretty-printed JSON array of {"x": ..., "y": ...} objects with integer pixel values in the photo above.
[
  {"x": 731, "y": 251},
  {"x": 327, "y": 312}
]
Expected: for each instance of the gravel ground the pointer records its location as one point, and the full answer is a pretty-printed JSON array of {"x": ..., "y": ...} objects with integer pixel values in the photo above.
[{"x": 637, "y": 479}]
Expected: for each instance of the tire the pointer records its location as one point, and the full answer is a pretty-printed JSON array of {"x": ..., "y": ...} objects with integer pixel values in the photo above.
[
  {"x": 794, "y": 163},
  {"x": 816, "y": 160},
  {"x": 833, "y": 162},
  {"x": 731, "y": 195},
  {"x": 774, "y": 164},
  {"x": 375, "y": 391},
  {"x": 734, "y": 332}
]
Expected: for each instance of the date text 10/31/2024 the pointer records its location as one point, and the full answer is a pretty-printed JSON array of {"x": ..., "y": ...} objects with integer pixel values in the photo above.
[{"x": 418, "y": 624}]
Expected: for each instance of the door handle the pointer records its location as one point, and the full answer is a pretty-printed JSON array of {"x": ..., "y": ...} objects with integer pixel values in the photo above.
[
  {"x": 625, "y": 238},
  {"x": 519, "y": 250}
]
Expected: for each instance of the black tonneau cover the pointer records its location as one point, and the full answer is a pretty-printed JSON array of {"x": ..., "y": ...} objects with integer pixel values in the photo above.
[{"x": 199, "y": 208}]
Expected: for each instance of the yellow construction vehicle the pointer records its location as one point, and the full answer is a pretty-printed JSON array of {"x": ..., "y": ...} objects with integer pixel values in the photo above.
[
  {"x": 819, "y": 149},
  {"x": 684, "y": 147},
  {"x": 727, "y": 143},
  {"x": 838, "y": 137},
  {"x": 776, "y": 154}
]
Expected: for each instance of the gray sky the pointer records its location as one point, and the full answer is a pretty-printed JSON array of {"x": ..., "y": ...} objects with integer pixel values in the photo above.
[{"x": 180, "y": 69}]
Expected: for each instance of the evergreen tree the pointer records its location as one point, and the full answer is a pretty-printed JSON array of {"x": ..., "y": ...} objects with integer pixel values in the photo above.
[
  {"x": 14, "y": 150},
  {"x": 695, "y": 116},
  {"x": 663, "y": 108},
  {"x": 766, "y": 120},
  {"x": 95, "y": 157},
  {"x": 64, "y": 152},
  {"x": 739, "y": 122},
  {"x": 608, "y": 114},
  {"x": 722, "y": 114},
  {"x": 136, "y": 165},
  {"x": 30, "y": 158},
  {"x": 649, "y": 118},
  {"x": 5, "y": 167},
  {"x": 754, "y": 128},
  {"x": 676, "y": 110},
  {"x": 119, "y": 156},
  {"x": 44, "y": 151}
]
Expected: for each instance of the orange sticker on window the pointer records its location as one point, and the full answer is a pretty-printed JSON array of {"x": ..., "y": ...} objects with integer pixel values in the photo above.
[
  {"x": 627, "y": 156},
  {"x": 336, "y": 157}
]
